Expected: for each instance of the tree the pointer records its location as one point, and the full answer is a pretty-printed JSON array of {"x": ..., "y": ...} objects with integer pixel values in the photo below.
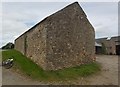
[{"x": 8, "y": 46}]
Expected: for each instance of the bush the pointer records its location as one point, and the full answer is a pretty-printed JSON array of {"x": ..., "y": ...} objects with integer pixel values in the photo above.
[
  {"x": 104, "y": 49},
  {"x": 8, "y": 46}
]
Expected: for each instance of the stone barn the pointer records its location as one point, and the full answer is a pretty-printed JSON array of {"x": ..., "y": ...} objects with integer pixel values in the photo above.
[
  {"x": 63, "y": 39},
  {"x": 111, "y": 45}
]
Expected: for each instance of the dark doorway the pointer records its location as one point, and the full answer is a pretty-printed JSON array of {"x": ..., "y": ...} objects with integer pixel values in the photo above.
[
  {"x": 98, "y": 50},
  {"x": 117, "y": 49}
]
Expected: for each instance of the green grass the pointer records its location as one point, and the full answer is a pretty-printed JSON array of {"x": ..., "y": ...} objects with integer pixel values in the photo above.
[{"x": 31, "y": 69}]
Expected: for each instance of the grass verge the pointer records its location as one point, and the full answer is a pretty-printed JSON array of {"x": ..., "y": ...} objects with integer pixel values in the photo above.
[{"x": 29, "y": 68}]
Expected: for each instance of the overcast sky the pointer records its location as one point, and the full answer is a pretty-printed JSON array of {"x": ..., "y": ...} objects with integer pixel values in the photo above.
[{"x": 18, "y": 17}]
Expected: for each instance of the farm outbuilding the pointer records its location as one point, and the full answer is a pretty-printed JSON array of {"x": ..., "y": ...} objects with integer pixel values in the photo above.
[
  {"x": 111, "y": 45},
  {"x": 63, "y": 39}
]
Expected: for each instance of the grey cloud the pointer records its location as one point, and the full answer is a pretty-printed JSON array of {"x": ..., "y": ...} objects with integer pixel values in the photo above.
[{"x": 19, "y": 17}]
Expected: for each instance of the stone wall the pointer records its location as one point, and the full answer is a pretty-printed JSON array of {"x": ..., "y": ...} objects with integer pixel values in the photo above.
[
  {"x": 20, "y": 44},
  {"x": 70, "y": 38},
  {"x": 64, "y": 39},
  {"x": 33, "y": 44}
]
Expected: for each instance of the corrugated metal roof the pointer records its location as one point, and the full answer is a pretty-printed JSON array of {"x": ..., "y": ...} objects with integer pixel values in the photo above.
[
  {"x": 99, "y": 45},
  {"x": 108, "y": 38}
]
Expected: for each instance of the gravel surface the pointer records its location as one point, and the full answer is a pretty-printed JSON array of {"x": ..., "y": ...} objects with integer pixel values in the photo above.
[
  {"x": 107, "y": 76},
  {"x": 13, "y": 78}
]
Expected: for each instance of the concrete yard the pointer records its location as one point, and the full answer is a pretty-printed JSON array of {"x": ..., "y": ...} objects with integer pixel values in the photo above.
[{"x": 107, "y": 76}]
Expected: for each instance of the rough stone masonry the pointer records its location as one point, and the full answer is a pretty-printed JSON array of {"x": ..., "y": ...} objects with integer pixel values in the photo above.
[{"x": 64, "y": 39}]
